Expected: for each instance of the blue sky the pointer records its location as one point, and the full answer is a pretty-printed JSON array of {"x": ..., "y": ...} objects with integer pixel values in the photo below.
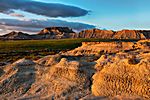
[
  {"x": 109, "y": 14},
  {"x": 113, "y": 14}
]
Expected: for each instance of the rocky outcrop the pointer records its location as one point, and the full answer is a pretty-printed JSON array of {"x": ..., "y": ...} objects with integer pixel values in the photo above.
[
  {"x": 108, "y": 34},
  {"x": 65, "y": 79},
  {"x": 57, "y": 33},
  {"x": 96, "y": 48},
  {"x": 62, "y": 79},
  {"x": 120, "y": 75}
]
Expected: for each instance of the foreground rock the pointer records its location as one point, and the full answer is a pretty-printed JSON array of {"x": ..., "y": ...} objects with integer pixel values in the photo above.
[
  {"x": 123, "y": 75},
  {"x": 17, "y": 78},
  {"x": 94, "y": 71},
  {"x": 65, "y": 80}
]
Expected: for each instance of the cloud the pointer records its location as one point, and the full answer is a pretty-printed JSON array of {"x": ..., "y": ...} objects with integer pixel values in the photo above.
[
  {"x": 34, "y": 26},
  {"x": 16, "y": 15},
  {"x": 41, "y": 8},
  {"x": 13, "y": 13}
]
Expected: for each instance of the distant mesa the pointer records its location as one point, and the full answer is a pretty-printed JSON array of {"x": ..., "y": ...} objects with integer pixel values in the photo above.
[
  {"x": 57, "y": 33},
  {"x": 56, "y": 29},
  {"x": 65, "y": 32},
  {"x": 109, "y": 34}
]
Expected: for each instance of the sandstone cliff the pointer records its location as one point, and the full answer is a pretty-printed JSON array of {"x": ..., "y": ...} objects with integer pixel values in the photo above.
[
  {"x": 96, "y": 33},
  {"x": 129, "y": 34}
]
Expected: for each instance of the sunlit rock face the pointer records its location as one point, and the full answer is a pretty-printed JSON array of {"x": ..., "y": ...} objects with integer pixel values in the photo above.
[
  {"x": 96, "y": 33},
  {"x": 108, "y": 34},
  {"x": 98, "y": 48},
  {"x": 129, "y": 34},
  {"x": 92, "y": 71}
]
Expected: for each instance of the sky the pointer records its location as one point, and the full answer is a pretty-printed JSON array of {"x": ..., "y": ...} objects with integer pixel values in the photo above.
[{"x": 33, "y": 15}]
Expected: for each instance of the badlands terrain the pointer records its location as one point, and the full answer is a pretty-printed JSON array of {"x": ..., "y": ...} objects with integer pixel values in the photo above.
[
  {"x": 94, "y": 71},
  {"x": 66, "y": 32}
]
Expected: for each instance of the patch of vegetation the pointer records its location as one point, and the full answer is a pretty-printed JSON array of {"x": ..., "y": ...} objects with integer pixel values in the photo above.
[{"x": 12, "y": 50}]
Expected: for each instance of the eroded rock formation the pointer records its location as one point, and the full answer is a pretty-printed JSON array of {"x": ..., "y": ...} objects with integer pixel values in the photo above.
[
  {"x": 96, "y": 33},
  {"x": 129, "y": 34},
  {"x": 96, "y": 70},
  {"x": 108, "y": 34},
  {"x": 57, "y": 33},
  {"x": 120, "y": 75},
  {"x": 65, "y": 32}
]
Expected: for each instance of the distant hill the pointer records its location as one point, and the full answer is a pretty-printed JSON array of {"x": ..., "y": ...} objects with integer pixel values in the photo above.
[
  {"x": 57, "y": 33},
  {"x": 16, "y": 36},
  {"x": 65, "y": 32}
]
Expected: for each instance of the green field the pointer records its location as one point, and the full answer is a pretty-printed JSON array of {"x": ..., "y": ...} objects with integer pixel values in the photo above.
[
  {"x": 63, "y": 44},
  {"x": 25, "y": 45},
  {"x": 35, "y": 49}
]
